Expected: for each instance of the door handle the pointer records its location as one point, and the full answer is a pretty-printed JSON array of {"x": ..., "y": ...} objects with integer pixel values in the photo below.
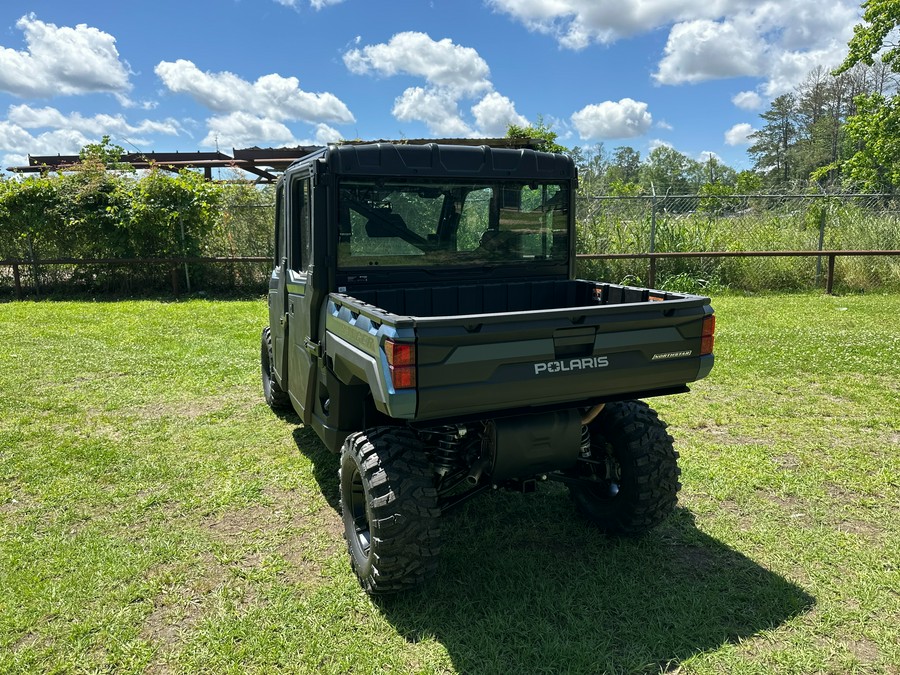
[{"x": 314, "y": 348}]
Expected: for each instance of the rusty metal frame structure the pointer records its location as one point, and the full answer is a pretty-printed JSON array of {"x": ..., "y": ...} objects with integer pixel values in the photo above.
[
  {"x": 263, "y": 163},
  {"x": 266, "y": 164}
]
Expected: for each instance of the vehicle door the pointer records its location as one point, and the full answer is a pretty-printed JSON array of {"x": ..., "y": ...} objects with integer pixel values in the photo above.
[
  {"x": 278, "y": 290},
  {"x": 300, "y": 309}
]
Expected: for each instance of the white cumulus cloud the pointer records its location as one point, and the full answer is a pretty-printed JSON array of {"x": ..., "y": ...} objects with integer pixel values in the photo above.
[
  {"x": 577, "y": 23},
  {"x": 441, "y": 62},
  {"x": 95, "y": 126},
  {"x": 451, "y": 74},
  {"x": 494, "y": 113},
  {"x": 272, "y": 96},
  {"x": 747, "y": 100},
  {"x": 325, "y": 135},
  {"x": 788, "y": 69},
  {"x": 777, "y": 42},
  {"x": 738, "y": 134},
  {"x": 254, "y": 113},
  {"x": 659, "y": 143},
  {"x": 437, "y": 109},
  {"x": 62, "y": 60},
  {"x": 626, "y": 118},
  {"x": 706, "y": 50},
  {"x": 47, "y": 131},
  {"x": 240, "y": 130},
  {"x": 16, "y": 143}
]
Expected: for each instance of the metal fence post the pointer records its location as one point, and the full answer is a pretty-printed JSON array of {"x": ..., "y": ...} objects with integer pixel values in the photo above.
[
  {"x": 822, "y": 219},
  {"x": 187, "y": 275},
  {"x": 651, "y": 280},
  {"x": 17, "y": 280},
  {"x": 829, "y": 284},
  {"x": 34, "y": 266}
]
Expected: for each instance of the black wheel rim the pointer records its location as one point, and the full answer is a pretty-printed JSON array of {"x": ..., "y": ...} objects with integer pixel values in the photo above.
[{"x": 359, "y": 513}]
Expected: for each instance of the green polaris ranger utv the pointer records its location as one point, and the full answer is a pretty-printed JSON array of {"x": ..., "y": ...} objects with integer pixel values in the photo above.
[{"x": 426, "y": 322}]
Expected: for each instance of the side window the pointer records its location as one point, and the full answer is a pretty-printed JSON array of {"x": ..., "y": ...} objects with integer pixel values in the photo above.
[
  {"x": 279, "y": 226},
  {"x": 474, "y": 220},
  {"x": 300, "y": 225}
]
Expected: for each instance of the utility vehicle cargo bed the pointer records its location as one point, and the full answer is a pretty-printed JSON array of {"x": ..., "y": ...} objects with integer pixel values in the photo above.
[
  {"x": 505, "y": 297},
  {"x": 521, "y": 345}
]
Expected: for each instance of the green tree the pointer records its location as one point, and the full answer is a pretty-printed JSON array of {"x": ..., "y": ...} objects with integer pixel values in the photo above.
[
  {"x": 617, "y": 188},
  {"x": 667, "y": 171},
  {"x": 719, "y": 173},
  {"x": 625, "y": 166},
  {"x": 874, "y": 130},
  {"x": 773, "y": 145},
  {"x": 880, "y": 20},
  {"x": 821, "y": 109},
  {"x": 103, "y": 155},
  {"x": 593, "y": 168}
]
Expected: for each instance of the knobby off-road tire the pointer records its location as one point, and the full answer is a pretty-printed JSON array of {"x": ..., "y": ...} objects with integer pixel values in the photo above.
[
  {"x": 276, "y": 397},
  {"x": 390, "y": 509},
  {"x": 633, "y": 437}
]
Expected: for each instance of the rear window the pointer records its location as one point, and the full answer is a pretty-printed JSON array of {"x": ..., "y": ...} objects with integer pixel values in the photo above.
[{"x": 421, "y": 223}]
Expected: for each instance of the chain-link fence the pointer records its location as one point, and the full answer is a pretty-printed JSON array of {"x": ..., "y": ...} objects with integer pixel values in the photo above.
[
  {"x": 628, "y": 225},
  {"x": 244, "y": 229},
  {"x": 773, "y": 222}
]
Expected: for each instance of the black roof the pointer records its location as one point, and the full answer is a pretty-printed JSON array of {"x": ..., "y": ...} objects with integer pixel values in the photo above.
[{"x": 444, "y": 160}]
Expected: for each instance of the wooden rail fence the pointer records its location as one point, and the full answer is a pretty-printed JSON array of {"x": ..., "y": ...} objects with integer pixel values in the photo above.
[{"x": 173, "y": 263}]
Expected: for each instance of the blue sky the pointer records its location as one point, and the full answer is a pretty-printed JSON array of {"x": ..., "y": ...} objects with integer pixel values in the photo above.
[{"x": 196, "y": 75}]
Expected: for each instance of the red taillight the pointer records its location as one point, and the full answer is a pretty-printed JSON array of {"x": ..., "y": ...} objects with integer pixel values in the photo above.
[
  {"x": 708, "y": 336},
  {"x": 401, "y": 357}
]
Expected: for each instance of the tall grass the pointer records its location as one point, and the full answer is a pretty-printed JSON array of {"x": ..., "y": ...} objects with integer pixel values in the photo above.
[{"x": 786, "y": 223}]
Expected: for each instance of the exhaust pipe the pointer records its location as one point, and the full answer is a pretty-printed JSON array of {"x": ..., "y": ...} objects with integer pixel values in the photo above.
[
  {"x": 591, "y": 414},
  {"x": 477, "y": 469}
]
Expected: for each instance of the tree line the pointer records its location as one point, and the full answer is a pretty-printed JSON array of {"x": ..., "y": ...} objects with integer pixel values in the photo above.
[
  {"x": 834, "y": 131},
  {"x": 837, "y": 130}
]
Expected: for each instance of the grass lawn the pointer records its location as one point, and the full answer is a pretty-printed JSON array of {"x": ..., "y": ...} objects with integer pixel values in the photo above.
[{"x": 155, "y": 516}]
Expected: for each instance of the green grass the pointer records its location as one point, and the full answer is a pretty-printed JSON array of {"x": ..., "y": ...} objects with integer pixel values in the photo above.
[{"x": 155, "y": 516}]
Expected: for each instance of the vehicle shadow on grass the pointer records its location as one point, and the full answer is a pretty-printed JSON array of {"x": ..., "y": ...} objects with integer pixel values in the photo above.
[
  {"x": 525, "y": 586},
  {"x": 325, "y": 463}
]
